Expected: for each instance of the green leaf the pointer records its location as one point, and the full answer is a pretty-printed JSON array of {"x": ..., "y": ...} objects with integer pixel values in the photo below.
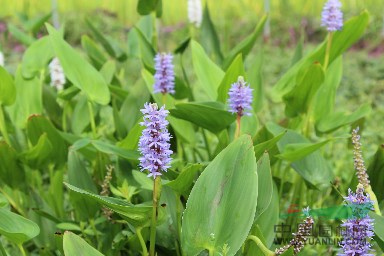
[
  {"x": 7, "y": 88},
  {"x": 313, "y": 167},
  {"x": 219, "y": 209},
  {"x": 35, "y": 24},
  {"x": 209, "y": 38},
  {"x": 108, "y": 70},
  {"x": 36, "y": 57},
  {"x": 20, "y": 35},
  {"x": 112, "y": 47},
  {"x": 114, "y": 150},
  {"x": 132, "y": 140},
  {"x": 255, "y": 78},
  {"x": 17, "y": 228},
  {"x": 28, "y": 100},
  {"x": 265, "y": 188},
  {"x": 209, "y": 115},
  {"x": 92, "y": 84},
  {"x": 10, "y": 171},
  {"x": 136, "y": 215},
  {"x": 299, "y": 98},
  {"x": 379, "y": 229},
  {"x": 376, "y": 174},
  {"x": 209, "y": 75},
  {"x": 336, "y": 120},
  {"x": 296, "y": 151},
  {"x": 185, "y": 179},
  {"x": 145, "y": 7},
  {"x": 245, "y": 46},
  {"x": 352, "y": 30},
  {"x": 39, "y": 125},
  {"x": 40, "y": 153},
  {"x": 267, "y": 145},
  {"x": 235, "y": 70},
  {"x": 75, "y": 245},
  {"x": 97, "y": 55},
  {"x": 146, "y": 50},
  {"x": 183, "y": 46},
  {"x": 324, "y": 100}
]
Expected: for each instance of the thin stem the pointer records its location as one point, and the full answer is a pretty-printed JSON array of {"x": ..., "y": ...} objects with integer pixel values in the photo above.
[
  {"x": 261, "y": 246},
  {"x": 156, "y": 197},
  {"x": 142, "y": 242},
  {"x": 238, "y": 123},
  {"x": 374, "y": 199},
  {"x": 21, "y": 248},
  {"x": 164, "y": 98},
  {"x": 207, "y": 144},
  {"x": 3, "y": 126},
  {"x": 328, "y": 50},
  {"x": 2, "y": 250},
  {"x": 92, "y": 119},
  {"x": 64, "y": 117},
  {"x": 92, "y": 223}
]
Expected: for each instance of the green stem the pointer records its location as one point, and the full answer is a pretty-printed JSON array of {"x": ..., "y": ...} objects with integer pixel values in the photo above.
[
  {"x": 92, "y": 223},
  {"x": 3, "y": 126},
  {"x": 156, "y": 197},
  {"x": 238, "y": 123},
  {"x": 22, "y": 249},
  {"x": 261, "y": 246},
  {"x": 92, "y": 119},
  {"x": 64, "y": 117},
  {"x": 328, "y": 50},
  {"x": 374, "y": 199},
  {"x": 207, "y": 144},
  {"x": 164, "y": 98},
  {"x": 142, "y": 242}
]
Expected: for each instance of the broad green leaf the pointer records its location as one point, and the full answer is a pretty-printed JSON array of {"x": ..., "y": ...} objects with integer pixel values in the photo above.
[
  {"x": 255, "y": 78},
  {"x": 235, "y": 70},
  {"x": 376, "y": 174},
  {"x": 379, "y": 229},
  {"x": 209, "y": 38},
  {"x": 336, "y": 120},
  {"x": 185, "y": 179},
  {"x": 109, "y": 44},
  {"x": 145, "y": 7},
  {"x": 267, "y": 145},
  {"x": 108, "y": 70},
  {"x": 112, "y": 149},
  {"x": 299, "y": 98},
  {"x": 17, "y": 228},
  {"x": 97, "y": 55},
  {"x": 20, "y": 35},
  {"x": 132, "y": 140},
  {"x": 209, "y": 115},
  {"x": 11, "y": 172},
  {"x": 92, "y": 84},
  {"x": 245, "y": 46},
  {"x": 146, "y": 50},
  {"x": 216, "y": 213},
  {"x": 75, "y": 245},
  {"x": 7, "y": 88},
  {"x": 136, "y": 215},
  {"x": 324, "y": 100},
  {"x": 209, "y": 75},
  {"x": 35, "y": 24},
  {"x": 265, "y": 188},
  {"x": 295, "y": 151},
  {"x": 28, "y": 100},
  {"x": 352, "y": 30},
  {"x": 313, "y": 167},
  {"x": 36, "y": 57},
  {"x": 183, "y": 46},
  {"x": 80, "y": 115},
  {"x": 40, "y": 153}
]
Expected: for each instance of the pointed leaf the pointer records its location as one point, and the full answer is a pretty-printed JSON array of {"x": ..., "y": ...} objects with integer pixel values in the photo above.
[{"x": 75, "y": 245}]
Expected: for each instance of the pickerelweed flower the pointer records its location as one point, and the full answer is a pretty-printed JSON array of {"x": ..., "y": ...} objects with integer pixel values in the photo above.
[
  {"x": 195, "y": 14},
  {"x": 57, "y": 74},
  {"x": 358, "y": 230},
  {"x": 154, "y": 142},
  {"x": 240, "y": 97},
  {"x": 332, "y": 17},
  {"x": 361, "y": 171},
  {"x": 1, "y": 59},
  {"x": 165, "y": 75},
  {"x": 301, "y": 236}
]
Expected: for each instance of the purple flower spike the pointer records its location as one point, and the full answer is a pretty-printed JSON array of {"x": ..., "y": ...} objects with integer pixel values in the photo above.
[
  {"x": 332, "y": 17},
  {"x": 358, "y": 230},
  {"x": 154, "y": 141},
  {"x": 240, "y": 97},
  {"x": 165, "y": 76}
]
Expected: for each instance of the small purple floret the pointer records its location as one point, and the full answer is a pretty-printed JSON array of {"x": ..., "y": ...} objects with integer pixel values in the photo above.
[
  {"x": 154, "y": 142},
  {"x": 240, "y": 98},
  {"x": 165, "y": 75},
  {"x": 332, "y": 17},
  {"x": 358, "y": 230}
]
